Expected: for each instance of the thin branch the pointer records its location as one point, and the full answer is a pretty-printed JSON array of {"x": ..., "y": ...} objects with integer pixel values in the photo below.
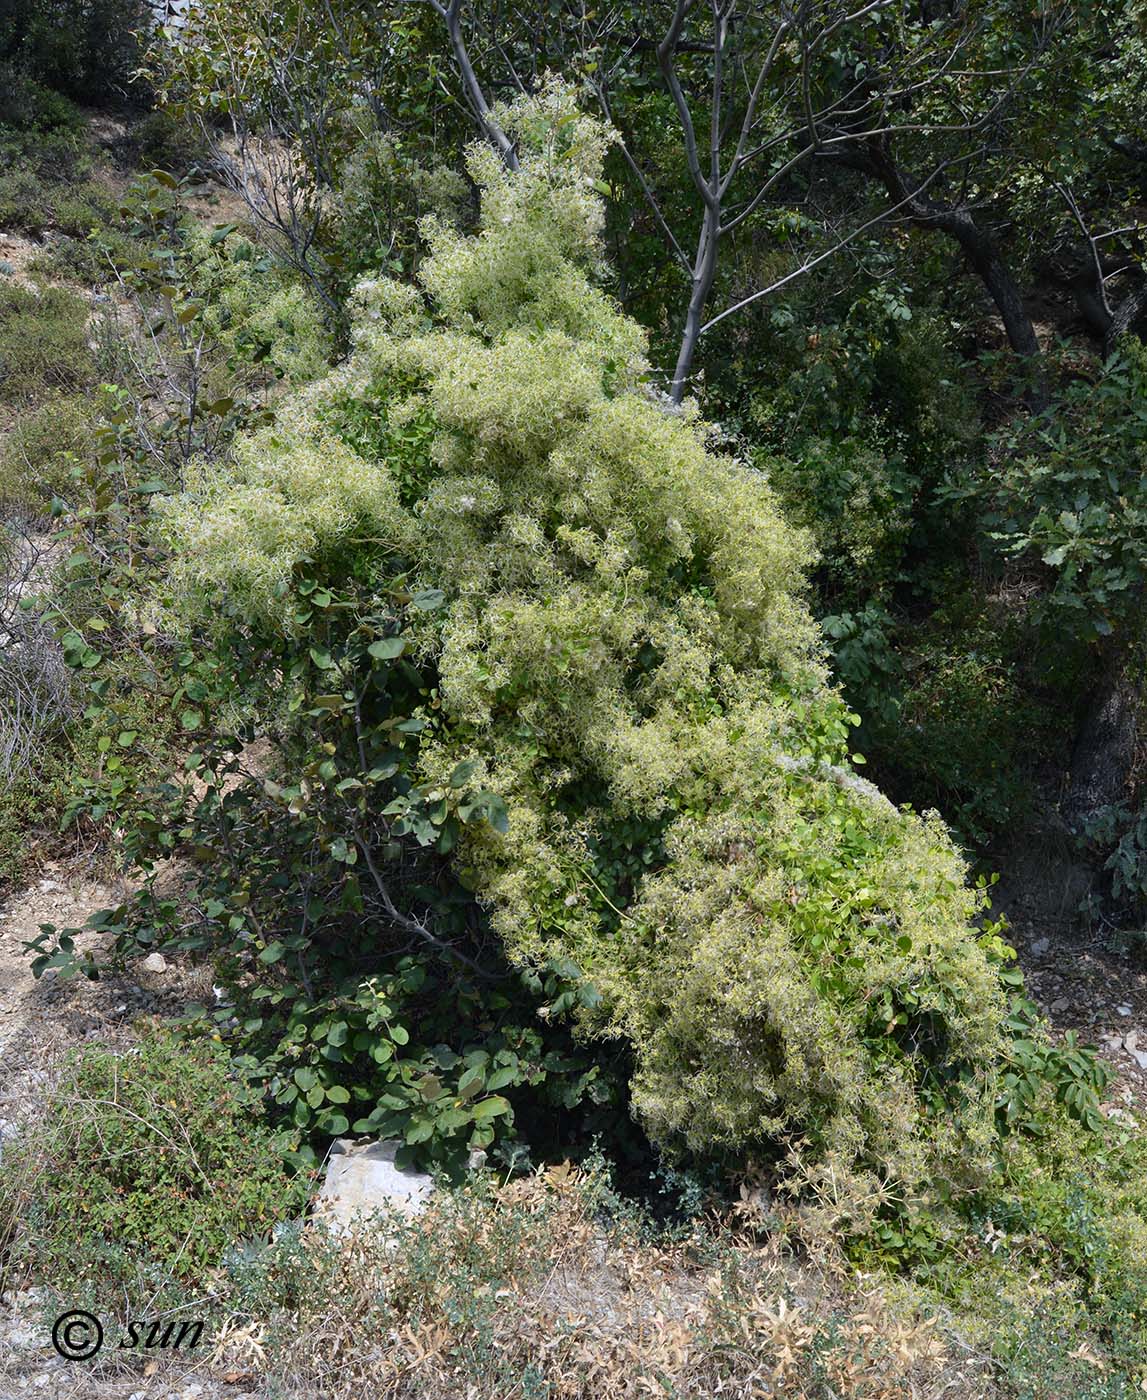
[{"x": 808, "y": 265}]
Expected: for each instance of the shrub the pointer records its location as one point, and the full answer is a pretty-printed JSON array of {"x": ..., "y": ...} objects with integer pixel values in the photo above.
[
  {"x": 1116, "y": 835},
  {"x": 253, "y": 311},
  {"x": 24, "y": 205},
  {"x": 532, "y": 1289},
  {"x": 41, "y": 449},
  {"x": 34, "y": 683},
  {"x": 965, "y": 721},
  {"x": 85, "y": 49},
  {"x": 162, "y": 141},
  {"x": 1069, "y": 1216},
  {"x": 28, "y": 105},
  {"x": 857, "y": 499},
  {"x": 866, "y": 661},
  {"x": 28, "y": 203},
  {"x": 382, "y": 193},
  {"x": 77, "y": 210},
  {"x": 1070, "y": 494},
  {"x": 620, "y": 657},
  {"x": 858, "y": 410},
  {"x": 157, "y": 1162},
  {"x": 43, "y": 343}
]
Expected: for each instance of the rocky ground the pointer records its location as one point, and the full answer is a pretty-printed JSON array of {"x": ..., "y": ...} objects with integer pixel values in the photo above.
[{"x": 1090, "y": 979}]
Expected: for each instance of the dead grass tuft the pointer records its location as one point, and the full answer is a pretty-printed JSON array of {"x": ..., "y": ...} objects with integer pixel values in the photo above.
[{"x": 530, "y": 1290}]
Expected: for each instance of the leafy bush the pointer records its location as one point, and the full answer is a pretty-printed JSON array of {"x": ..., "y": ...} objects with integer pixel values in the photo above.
[
  {"x": 1070, "y": 1211},
  {"x": 42, "y": 449},
  {"x": 158, "y": 1162},
  {"x": 78, "y": 210},
  {"x": 37, "y": 168},
  {"x": 857, "y": 500},
  {"x": 85, "y": 49},
  {"x": 1071, "y": 494},
  {"x": 252, "y": 311},
  {"x": 617, "y": 657},
  {"x": 964, "y": 722},
  {"x": 28, "y": 105},
  {"x": 1118, "y": 834},
  {"x": 540, "y": 1288},
  {"x": 866, "y": 661},
  {"x": 34, "y": 684},
  {"x": 43, "y": 343},
  {"x": 857, "y": 411},
  {"x": 24, "y": 203},
  {"x": 31, "y": 205},
  {"x": 353, "y": 1017},
  {"x": 382, "y": 194},
  {"x": 161, "y": 141}
]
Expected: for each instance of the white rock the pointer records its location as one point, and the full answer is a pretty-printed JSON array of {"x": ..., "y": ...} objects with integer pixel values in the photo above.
[
  {"x": 1131, "y": 1041},
  {"x": 1123, "y": 1010},
  {"x": 362, "y": 1178},
  {"x": 1140, "y": 1057},
  {"x": 154, "y": 962}
]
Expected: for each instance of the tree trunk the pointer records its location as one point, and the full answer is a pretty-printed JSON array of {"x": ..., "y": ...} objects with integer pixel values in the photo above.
[
  {"x": 1105, "y": 745},
  {"x": 981, "y": 252},
  {"x": 985, "y": 260},
  {"x": 704, "y": 269},
  {"x": 1128, "y": 316}
]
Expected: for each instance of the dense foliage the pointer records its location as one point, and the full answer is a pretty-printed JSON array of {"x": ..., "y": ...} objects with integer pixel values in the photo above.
[
  {"x": 487, "y": 718},
  {"x": 628, "y": 746},
  {"x": 158, "y": 1166}
]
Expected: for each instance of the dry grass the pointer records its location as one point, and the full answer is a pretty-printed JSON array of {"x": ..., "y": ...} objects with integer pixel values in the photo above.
[
  {"x": 526, "y": 1293},
  {"x": 34, "y": 682}
]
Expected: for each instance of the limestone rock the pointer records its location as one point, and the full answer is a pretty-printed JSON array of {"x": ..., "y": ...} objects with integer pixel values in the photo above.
[{"x": 362, "y": 1179}]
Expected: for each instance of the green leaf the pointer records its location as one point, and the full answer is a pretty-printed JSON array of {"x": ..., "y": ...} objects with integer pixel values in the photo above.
[
  {"x": 463, "y": 772},
  {"x": 490, "y": 1108},
  {"x": 272, "y": 952},
  {"x": 344, "y": 851},
  {"x": 472, "y": 1082},
  {"x": 387, "y": 649}
]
